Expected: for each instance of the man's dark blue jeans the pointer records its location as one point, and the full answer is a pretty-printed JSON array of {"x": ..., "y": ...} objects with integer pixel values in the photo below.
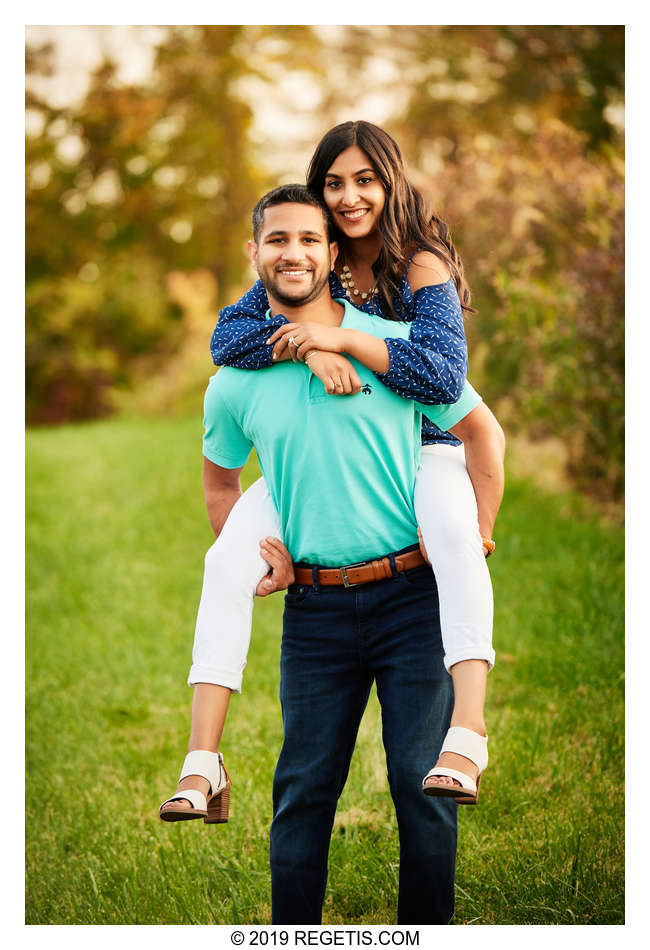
[{"x": 336, "y": 641}]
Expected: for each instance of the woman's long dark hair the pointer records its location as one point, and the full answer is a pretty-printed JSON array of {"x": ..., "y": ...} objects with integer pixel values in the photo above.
[{"x": 406, "y": 224}]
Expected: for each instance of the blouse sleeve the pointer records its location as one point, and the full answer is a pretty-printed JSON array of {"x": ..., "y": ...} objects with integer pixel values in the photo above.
[
  {"x": 239, "y": 338},
  {"x": 431, "y": 365}
]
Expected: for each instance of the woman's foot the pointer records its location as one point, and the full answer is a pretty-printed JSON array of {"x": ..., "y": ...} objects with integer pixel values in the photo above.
[
  {"x": 196, "y": 782},
  {"x": 451, "y": 760},
  {"x": 463, "y": 757},
  {"x": 203, "y": 789}
]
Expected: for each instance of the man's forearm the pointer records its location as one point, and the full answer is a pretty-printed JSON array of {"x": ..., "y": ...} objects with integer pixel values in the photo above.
[
  {"x": 221, "y": 489},
  {"x": 484, "y": 444},
  {"x": 487, "y": 478},
  {"x": 220, "y": 503},
  {"x": 484, "y": 460}
]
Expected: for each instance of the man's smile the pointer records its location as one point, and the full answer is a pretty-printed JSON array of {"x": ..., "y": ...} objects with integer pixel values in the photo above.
[{"x": 294, "y": 273}]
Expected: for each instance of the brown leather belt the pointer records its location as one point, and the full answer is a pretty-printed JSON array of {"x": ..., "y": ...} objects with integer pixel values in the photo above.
[{"x": 364, "y": 573}]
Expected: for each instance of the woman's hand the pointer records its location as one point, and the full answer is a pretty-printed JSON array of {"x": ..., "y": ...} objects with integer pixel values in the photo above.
[
  {"x": 306, "y": 336},
  {"x": 279, "y": 560},
  {"x": 336, "y": 372}
]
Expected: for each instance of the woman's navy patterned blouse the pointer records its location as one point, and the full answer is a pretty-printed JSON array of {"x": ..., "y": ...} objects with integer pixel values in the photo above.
[{"x": 430, "y": 366}]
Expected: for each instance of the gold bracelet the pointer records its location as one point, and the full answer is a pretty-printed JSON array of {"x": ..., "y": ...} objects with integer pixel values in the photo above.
[{"x": 488, "y": 546}]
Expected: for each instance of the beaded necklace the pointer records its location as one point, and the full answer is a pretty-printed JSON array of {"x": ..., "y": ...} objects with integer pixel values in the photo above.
[{"x": 348, "y": 284}]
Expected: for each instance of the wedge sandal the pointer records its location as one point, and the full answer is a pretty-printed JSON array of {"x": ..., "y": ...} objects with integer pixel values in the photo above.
[{"x": 213, "y": 809}]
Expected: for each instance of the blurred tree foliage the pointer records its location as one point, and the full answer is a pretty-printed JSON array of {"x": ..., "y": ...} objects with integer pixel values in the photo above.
[
  {"x": 514, "y": 131},
  {"x": 505, "y": 80},
  {"x": 542, "y": 235},
  {"x": 132, "y": 183}
]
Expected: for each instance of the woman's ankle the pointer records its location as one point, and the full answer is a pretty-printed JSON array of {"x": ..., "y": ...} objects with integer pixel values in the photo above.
[{"x": 475, "y": 723}]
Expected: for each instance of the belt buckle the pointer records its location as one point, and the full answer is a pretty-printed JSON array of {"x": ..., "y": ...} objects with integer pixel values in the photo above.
[{"x": 344, "y": 570}]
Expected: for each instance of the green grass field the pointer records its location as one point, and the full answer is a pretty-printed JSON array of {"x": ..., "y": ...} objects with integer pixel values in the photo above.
[{"x": 116, "y": 534}]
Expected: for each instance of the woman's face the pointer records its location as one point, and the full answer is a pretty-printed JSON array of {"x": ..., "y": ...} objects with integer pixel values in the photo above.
[{"x": 354, "y": 193}]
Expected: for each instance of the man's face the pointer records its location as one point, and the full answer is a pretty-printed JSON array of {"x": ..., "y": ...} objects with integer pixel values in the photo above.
[{"x": 292, "y": 255}]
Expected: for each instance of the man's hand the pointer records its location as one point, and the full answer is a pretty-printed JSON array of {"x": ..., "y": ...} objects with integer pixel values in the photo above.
[
  {"x": 306, "y": 337},
  {"x": 281, "y": 574},
  {"x": 336, "y": 372}
]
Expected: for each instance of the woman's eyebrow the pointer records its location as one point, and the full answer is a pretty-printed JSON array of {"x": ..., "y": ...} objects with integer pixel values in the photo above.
[{"x": 360, "y": 172}]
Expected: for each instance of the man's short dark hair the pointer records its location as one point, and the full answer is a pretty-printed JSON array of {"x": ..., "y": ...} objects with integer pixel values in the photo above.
[{"x": 290, "y": 194}]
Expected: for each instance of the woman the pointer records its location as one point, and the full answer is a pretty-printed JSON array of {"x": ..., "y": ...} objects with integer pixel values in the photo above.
[{"x": 396, "y": 261}]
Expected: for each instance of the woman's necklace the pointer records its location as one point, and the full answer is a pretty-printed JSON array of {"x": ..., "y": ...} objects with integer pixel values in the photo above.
[{"x": 349, "y": 285}]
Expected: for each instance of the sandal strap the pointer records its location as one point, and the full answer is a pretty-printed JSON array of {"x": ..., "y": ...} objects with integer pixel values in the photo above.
[
  {"x": 468, "y": 743},
  {"x": 196, "y": 798},
  {"x": 465, "y": 780},
  {"x": 208, "y": 765}
]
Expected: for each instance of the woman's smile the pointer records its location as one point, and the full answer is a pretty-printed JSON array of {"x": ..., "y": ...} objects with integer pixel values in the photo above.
[{"x": 355, "y": 215}]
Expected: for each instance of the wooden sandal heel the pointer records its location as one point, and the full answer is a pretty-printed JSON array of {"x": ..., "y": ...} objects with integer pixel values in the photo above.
[{"x": 218, "y": 807}]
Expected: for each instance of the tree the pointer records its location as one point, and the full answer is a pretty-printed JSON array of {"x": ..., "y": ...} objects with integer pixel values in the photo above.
[{"x": 133, "y": 183}]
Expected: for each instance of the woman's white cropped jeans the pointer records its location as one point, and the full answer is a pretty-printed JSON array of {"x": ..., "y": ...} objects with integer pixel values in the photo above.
[{"x": 445, "y": 508}]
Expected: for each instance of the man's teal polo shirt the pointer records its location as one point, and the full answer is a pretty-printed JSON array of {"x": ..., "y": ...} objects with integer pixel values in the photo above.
[{"x": 340, "y": 469}]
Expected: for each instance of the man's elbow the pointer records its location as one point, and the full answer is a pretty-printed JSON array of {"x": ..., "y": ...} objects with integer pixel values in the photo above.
[
  {"x": 495, "y": 431},
  {"x": 481, "y": 426},
  {"x": 491, "y": 428}
]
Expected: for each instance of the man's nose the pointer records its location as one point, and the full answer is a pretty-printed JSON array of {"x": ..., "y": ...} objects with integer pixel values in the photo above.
[{"x": 292, "y": 251}]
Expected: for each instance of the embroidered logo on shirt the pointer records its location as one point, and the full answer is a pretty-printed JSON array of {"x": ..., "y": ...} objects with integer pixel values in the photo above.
[{"x": 366, "y": 389}]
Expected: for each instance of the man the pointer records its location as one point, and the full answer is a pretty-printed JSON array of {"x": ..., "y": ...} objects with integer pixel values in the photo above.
[{"x": 341, "y": 472}]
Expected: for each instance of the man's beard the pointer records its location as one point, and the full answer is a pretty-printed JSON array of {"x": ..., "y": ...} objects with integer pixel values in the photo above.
[{"x": 286, "y": 300}]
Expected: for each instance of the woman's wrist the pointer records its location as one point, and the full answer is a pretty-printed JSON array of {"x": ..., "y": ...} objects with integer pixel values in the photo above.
[
  {"x": 367, "y": 349},
  {"x": 350, "y": 341}
]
